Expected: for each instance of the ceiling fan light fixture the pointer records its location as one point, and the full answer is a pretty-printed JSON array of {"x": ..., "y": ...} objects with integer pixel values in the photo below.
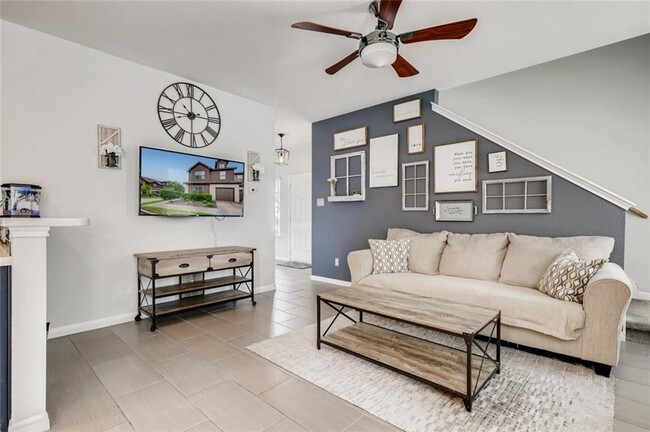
[
  {"x": 378, "y": 55},
  {"x": 378, "y": 49}
]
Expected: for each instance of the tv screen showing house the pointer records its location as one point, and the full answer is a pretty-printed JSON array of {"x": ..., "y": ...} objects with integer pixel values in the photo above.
[{"x": 181, "y": 184}]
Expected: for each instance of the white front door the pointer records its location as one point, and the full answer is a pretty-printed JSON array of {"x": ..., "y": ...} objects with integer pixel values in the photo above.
[{"x": 300, "y": 217}]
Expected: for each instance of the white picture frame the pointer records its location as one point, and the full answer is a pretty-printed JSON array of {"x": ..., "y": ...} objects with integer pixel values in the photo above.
[
  {"x": 412, "y": 182},
  {"x": 351, "y": 138},
  {"x": 454, "y": 211},
  {"x": 415, "y": 139},
  {"x": 407, "y": 110},
  {"x": 384, "y": 154},
  {"x": 346, "y": 178},
  {"x": 455, "y": 167},
  {"x": 497, "y": 162}
]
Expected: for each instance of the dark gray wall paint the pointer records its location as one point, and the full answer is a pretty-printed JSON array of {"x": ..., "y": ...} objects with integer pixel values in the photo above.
[{"x": 341, "y": 227}]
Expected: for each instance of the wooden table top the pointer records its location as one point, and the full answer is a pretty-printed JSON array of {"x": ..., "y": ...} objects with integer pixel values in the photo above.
[
  {"x": 444, "y": 315},
  {"x": 189, "y": 252}
]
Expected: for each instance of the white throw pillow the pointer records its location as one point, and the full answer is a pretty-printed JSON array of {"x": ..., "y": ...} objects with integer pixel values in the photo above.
[
  {"x": 567, "y": 277},
  {"x": 390, "y": 256}
]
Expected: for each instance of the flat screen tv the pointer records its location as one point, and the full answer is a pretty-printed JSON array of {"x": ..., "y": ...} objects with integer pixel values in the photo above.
[{"x": 182, "y": 184}]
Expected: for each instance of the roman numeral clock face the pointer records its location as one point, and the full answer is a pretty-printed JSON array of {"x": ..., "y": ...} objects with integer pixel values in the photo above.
[{"x": 189, "y": 115}]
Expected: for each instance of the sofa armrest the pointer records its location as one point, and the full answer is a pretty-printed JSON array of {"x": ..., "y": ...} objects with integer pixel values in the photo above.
[
  {"x": 607, "y": 296},
  {"x": 360, "y": 263}
]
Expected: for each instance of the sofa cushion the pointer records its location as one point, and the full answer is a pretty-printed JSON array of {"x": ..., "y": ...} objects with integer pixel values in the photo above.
[
  {"x": 390, "y": 256},
  {"x": 568, "y": 276},
  {"x": 476, "y": 256},
  {"x": 426, "y": 249},
  {"x": 528, "y": 257},
  {"x": 520, "y": 307},
  {"x": 400, "y": 233}
]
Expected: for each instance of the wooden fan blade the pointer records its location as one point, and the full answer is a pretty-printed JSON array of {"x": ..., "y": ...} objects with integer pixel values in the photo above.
[
  {"x": 324, "y": 29},
  {"x": 403, "y": 68},
  {"x": 456, "y": 30},
  {"x": 343, "y": 63},
  {"x": 388, "y": 11}
]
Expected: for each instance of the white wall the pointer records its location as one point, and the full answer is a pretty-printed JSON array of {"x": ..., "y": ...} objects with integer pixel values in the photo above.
[
  {"x": 299, "y": 163},
  {"x": 588, "y": 113},
  {"x": 58, "y": 93}
]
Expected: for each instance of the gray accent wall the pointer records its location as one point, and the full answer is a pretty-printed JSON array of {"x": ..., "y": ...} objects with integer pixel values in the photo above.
[{"x": 341, "y": 227}]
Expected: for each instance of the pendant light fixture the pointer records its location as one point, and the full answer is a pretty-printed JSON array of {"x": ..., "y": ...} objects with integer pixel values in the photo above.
[{"x": 281, "y": 154}]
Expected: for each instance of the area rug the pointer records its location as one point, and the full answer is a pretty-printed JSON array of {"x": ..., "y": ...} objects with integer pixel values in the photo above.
[
  {"x": 532, "y": 393},
  {"x": 294, "y": 264}
]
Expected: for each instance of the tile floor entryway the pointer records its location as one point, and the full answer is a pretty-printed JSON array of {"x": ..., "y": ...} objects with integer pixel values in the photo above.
[{"x": 195, "y": 374}]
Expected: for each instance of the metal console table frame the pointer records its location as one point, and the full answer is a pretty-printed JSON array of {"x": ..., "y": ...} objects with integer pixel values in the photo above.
[{"x": 149, "y": 291}]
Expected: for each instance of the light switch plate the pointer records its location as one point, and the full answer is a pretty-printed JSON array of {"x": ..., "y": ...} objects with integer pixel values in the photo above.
[{"x": 320, "y": 202}]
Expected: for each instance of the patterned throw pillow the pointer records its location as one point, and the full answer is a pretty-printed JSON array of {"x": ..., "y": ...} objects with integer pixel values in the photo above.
[
  {"x": 567, "y": 277},
  {"x": 390, "y": 256}
]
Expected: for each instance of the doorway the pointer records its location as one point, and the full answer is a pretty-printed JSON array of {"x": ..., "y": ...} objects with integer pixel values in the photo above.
[{"x": 300, "y": 217}]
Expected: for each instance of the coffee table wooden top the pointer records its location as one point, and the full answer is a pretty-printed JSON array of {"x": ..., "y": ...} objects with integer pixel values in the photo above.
[{"x": 444, "y": 315}]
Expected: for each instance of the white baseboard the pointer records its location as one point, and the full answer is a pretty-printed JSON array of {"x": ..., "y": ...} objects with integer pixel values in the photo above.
[
  {"x": 56, "y": 332},
  {"x": 641, "y": 295},
  {"x": 331, "y": 281},
  {"x": 265, "y": 288},
  {"x": 37, "y": 423}
]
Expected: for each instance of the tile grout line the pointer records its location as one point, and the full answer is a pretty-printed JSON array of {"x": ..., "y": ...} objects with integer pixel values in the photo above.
[{"x": 127, "y": 420}]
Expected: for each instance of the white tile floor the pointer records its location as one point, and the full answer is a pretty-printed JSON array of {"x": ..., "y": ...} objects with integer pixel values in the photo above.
[{"x": 195, "y": 374}]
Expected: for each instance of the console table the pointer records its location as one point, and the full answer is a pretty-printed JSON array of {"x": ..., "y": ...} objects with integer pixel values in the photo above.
[{"x": 171, "y": 282}]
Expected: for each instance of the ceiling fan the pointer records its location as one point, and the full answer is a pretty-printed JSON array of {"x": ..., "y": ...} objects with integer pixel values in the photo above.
[{"x": 380, "y": 47}]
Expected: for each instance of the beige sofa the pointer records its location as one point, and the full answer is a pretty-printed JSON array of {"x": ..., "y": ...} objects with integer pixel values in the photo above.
[{"x": 501, "y": 271}]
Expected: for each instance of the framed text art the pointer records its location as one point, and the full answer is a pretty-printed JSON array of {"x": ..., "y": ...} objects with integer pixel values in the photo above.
[
  {"x": 351, "y": 138},
  {"x": 455, "y": 167},
  {"x": 415, "y": 139},
  {"x": 383, "y": 161},
  {"x": 407, "y": 110},
  {"x": 454, "y": 211},
  {"x": 497, "y": 162}
]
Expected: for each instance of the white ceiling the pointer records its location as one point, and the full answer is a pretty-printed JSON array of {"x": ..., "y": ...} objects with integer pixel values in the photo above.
[{"x": 249, "y": 49}]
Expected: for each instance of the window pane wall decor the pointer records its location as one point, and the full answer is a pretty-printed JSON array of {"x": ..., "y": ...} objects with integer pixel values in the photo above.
[
  {"x": 349, "y": 170},
  {"x": 518, "y": 195},
  {"x": 415, "y": 186}
]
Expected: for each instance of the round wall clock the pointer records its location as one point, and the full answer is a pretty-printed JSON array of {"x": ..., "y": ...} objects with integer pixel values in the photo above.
[{"x": 189, "y": 115}]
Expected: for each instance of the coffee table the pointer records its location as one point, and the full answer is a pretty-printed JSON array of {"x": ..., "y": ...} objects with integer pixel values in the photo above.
[{"x": 460, "y": 372}]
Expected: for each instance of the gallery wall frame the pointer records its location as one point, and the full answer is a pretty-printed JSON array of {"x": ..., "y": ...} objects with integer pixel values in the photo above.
[
  {"x": 351, "y": 138},
  {"x": 455, "y": 167},
  {"x": 350, "y": 182},
  {"x": 497, "y": 162},
  {"x": 384, "y": 160},
  {"x": 407, "y": 110},
  {"x": 415, "y": 138},
  {"x": 415, "y": 186},
  {"x": 454, "y": 211}
]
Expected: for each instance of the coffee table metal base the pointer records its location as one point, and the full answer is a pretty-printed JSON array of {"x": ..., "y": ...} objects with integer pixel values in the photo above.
[{"x": 462, "y": 373}]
